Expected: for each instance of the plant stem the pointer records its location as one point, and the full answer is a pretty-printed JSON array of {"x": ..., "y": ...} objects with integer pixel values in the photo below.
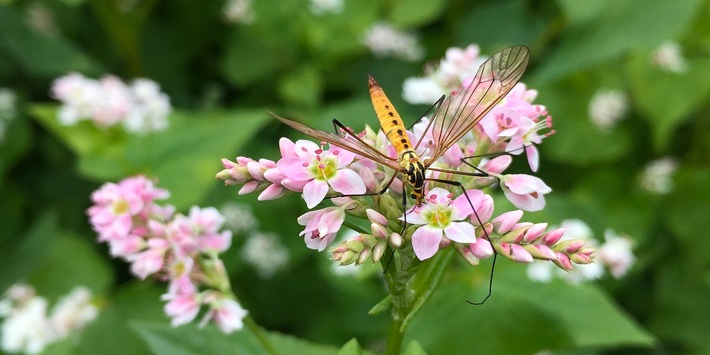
[
  {"x": 260, "y": 335},
  {"x": 398, "y": 275}
]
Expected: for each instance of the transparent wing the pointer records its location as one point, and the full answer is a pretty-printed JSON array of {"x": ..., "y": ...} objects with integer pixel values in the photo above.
[
  {"x": 352, "y": 144},
  {"x": 460, "y": 112}
]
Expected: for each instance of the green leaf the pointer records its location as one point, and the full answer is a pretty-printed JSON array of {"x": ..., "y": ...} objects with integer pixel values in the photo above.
[
  {"x": 414, "y": 348},
  {"x": 667, "y": 99},
  {"x": 75, "y": 256},
  {"x": 522, "y": 317},
  {"x": 112, "y": 333},
  {"x": 426, "y": 281},
  {"x": 622, "y": 26},
  {"x": 352, "y": 347},
  {"x": 19, "y": 262},
  {"x": 39, "y": 54},
  {"x": 416, "y": 13},
  {"x": 14, "y": 142},
  {"x": 189, "y": 339},
  {"x": 686, "y": 217},
  {"x": 577, "y": 12},
  {"x": 184, "y": 158}
]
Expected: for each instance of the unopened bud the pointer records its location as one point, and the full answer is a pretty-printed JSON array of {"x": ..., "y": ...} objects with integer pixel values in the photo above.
[
  {"x": 378, "y": 251},
  {"x": 395, "y": 240},
  {"x": 363, "y": 256}
]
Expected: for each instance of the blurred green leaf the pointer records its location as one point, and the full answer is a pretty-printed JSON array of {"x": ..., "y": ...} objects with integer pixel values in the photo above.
[
  {"x": 685, "y": 216},
  {"x": 414, "y": 348},
  {"x": 72, "y": 255},
  {"x": 112, "y": 332},
  {"x": 577, "y": 12},
  {"x": 411, "y": 13},
  {"x": 189, "y": 339},
  {"x": 15, "y": 141},
  {"x": 184, "y": 158},
  {"x": 38, "y": 54},
  {"x": 351, "y": 348},
  {"x": 667, "y": 99},
  {"x": 19, "y": 262},
  {"x": 622, "y": 26},
  {"x": 531, "y": 316}
]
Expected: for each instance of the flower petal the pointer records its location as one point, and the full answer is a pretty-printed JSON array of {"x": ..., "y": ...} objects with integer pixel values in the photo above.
[
  {"x": 348, "y": 182},
  {"x": 293, "y": 168},
  {"x": 425, "y": 242},
  {"x": 462, "y": 232},
  {"x": 314, "y": 192}
]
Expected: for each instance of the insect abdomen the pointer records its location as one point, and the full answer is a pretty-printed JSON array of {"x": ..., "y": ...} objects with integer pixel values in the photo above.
[{"x": 390, "y": 121}]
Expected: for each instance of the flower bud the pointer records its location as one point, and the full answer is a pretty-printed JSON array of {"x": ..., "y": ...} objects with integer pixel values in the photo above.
[
  {"x": 395, "y": 240},
  {"x": 553, "y": 237},
  {"x": 540, "y": 251},
  {"x": 363, "y": 257},
  {"x": 389, "y": 207},
  {"x": 534, "y": 232},
  {"x": 376, "y": 217},
  {"x": 378, "y": 251}
]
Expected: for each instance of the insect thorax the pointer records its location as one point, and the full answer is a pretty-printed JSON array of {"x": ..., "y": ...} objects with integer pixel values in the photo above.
[{"x": 413, "y": 168}]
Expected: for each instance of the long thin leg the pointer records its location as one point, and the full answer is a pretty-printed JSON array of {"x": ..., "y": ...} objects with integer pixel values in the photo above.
[{"x": 480, "y": 223}]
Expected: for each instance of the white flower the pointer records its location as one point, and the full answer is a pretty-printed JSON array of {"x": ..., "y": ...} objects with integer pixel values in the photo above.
[
  {"x": 421, "y": 90},
  {"x": 27, "y": 329},
  {"x": 322, "y": 7},
  {"x": 238, "y": 217},
  {"x": 669, "y": 57},
  {"x": 151, "y": 110},
  {"x": 73, "y": 312},
  {"x": 265, "y": 253},
  {"x": 238, "y": 11},
  {"x": 616, "y": 253},
  {"x": 657, "y": 176},
  {"x": 386, "y": 41},
  {"x": 607, "y": 107},
  {"x": 8, "y": 100},
  {"x": 540, "y": 271}
]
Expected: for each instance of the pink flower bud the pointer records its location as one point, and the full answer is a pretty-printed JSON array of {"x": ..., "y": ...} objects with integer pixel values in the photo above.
[
  {"x": 563, "y": 261},
  {"x": 534, "y": 232},
  {"x": 505, "y": 222},
  {"x": 395, "y": 240},
  {"x": 376, "y": 217},
  {"x": 498, "y": 164},
  {"x": 553, "y": 237},
  {"x": 519, "y": 254}
]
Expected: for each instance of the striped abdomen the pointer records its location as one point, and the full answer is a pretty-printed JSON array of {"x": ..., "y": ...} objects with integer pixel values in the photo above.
[{"x": 390, "y": 121}]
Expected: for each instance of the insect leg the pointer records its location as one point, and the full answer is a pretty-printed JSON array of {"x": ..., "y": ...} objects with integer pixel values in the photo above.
[{"x": 480, "y": 222}]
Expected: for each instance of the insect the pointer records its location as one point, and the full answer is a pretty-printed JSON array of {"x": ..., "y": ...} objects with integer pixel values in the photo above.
[{"x": 455, "y": 115}]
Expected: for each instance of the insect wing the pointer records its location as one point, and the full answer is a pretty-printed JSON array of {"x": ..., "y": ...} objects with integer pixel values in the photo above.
[
  {"x": 460, "y": 112},
  {"x": 352, "y": 144}
]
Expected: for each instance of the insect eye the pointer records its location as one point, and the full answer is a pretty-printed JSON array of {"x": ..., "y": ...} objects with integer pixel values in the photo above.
[{"x": 413, "y": 196}]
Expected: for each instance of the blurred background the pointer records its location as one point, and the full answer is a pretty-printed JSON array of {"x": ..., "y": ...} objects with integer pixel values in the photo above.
[{"x": 627, "y": 84}]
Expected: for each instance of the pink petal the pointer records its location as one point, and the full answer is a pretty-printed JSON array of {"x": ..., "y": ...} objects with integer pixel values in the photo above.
[
  {"x": 344, "y": 157},
  {"x": 533, "y": 157},
  {"x": 272, "y": 192},
  {"x": 293, "y": 168},
  {"x": 525, "y": 202},
  {"x": 462, "y": 207},
  {"x": 314, "y": 192},
  {"x": 305, "y": 149},
  {"x": 415, "y": 217},
  {"x": 348, "y": 182},
  {"x": 462, "y": 232},
  {"x": 438, "y": 196},
  {"x": 287, "y": 147},
  {"x": 425, "y": 242}
]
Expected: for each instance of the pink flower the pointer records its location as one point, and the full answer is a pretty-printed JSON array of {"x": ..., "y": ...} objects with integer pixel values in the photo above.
[
  {"x": 320, "y": 170},
  {"x": 616, "y": 253},
  {"x": 183, "y": 306},
  {"x": 527, "y": 136},
  {"x": 150, "y": 260},
  {"x": 226, "y": 312},
  {"x": 321, "y": 226},
  {"x": 524, "y": 191},
  {"x": 439, "y": 219},
  {"x": 206, "y": 223}
]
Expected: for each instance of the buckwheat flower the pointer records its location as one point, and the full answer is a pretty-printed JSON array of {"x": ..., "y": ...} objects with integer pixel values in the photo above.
[
  {"x": 524, "y": 191},
  {"x": 265, "y": 253},
  {"x": 8, "y": 102},
  {"x": 151, "y": 108},
  {"x": 26, "y": 329},
  {"x": 383, "y": 40},
  {"x": 183, "y": 305},
  {"x": 459, "y": 64},
  {"x": 669, "y": 57},
  {"x": 40, "y": 19},
  {"x": 320, "y": 170},
  {"x": 73, "y": 312},
  {"x": 322, "y": 7},
  {"x": 321, "y": 226},
  {"x": 657, "y": 176},
  {"x": 527, "y": 135},
  {"x": 114, "y": 104},
  {"x": 238, "y": 217},
  {"x": 421, "y": 90},
  {"x": 616, "y": 253},
  {"x": 442, "y": 220},
  {"x": 238, "y": 11},
  {"x": 607, "y": 107},
  {"x": 78, "y": 96},
  {"x": 226, "y": 312}
]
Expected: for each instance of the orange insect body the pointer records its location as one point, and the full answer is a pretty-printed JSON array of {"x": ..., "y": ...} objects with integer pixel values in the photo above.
[{"x": 396, "y": 133}]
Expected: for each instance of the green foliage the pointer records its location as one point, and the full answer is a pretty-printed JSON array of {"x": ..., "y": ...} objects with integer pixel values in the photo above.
[{"x": 222, "y": 78}]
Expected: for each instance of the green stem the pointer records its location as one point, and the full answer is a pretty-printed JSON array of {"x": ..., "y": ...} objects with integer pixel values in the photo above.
[
  {"x": 260, "y": 335},
  {"x": 398, "y": 275}
]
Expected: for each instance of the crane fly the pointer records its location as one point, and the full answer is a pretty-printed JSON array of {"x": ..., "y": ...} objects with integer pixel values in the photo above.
[{"x": 455, "y": 116}]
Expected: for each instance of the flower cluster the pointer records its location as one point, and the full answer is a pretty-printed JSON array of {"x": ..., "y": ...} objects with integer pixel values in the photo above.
[
  {"x": 28, "y": 328},
  {"x": 615, "y": 254},
  {"x": 453, "y": 214},
  {"x": 140, "y": 107},
  {"x": 383, "y": 40},
  {"x": 607, "y": 107},
  {"x": 657, "y": 175},
  {"x": 180, "y": 249},
  {"x": 668, "y": 56},
  {"x": 238, "y": 11}
]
